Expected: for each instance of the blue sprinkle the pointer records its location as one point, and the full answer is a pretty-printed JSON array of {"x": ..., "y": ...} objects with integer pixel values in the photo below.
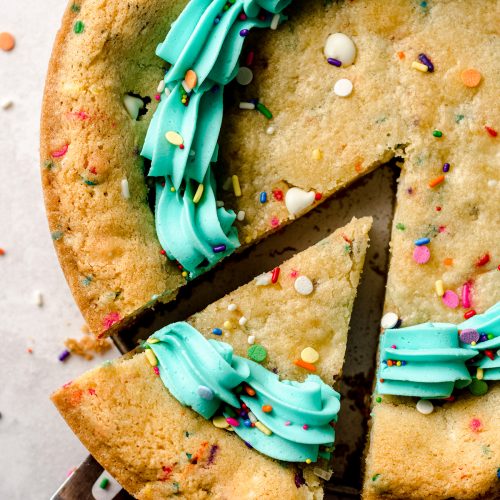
[
  {"x": 446, "y": 167},
  {"x": 205, "y": 392},
  {"x": 498, "y": 473},
  {"x": 217, "y": 331},
  {"x": 217, "y": 20},
  {"x": 422, "y": 241},
  {"x": 244, "y": 32},
  {"x": 334, "y": 62},
  {"x": 219, "y": 248},
  {"x": 247, "y": 423},
  {"x": 263, "y": 197}
]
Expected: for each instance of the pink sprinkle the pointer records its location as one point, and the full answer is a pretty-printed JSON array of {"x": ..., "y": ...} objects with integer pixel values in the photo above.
[
  {"x": 275, "y": 221},
  {"x": 60, "y": 152},
  {"x": 233, "y": 422},
  {"x": 450, "y": 299},
  {"x": 287, "y": 423},
  {"x": 294, "y": 273},
  {"x": 393, "y": 346},
  {"x": 442, "y": 229},
  {"x": 157, "y": 97},
  {"x": 475, "y": 425},
  {"x": 305, "y": 427},
  {"x": 421, "y": 254},
  {"x": 156, "y": 370},
  {"x": 466, "y": 295},
  {"x": 110, "y": 319},
  {"x": 67, "y": 384},
  {"x": 91, "y": 391},
  {"x": 250, "y": 57}
]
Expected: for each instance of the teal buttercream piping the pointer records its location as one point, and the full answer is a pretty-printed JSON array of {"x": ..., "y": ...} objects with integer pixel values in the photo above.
[
  {"x": 206, "y": 39},
  {"x": 486, "y": 324},
  {"x": 433, "y": 360},
  {"x": 205, "y": 375}
]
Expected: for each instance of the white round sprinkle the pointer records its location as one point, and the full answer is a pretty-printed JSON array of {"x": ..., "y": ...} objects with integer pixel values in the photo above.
[
  {"x": 167, "y": 91},
  {"x": 244, "y": 76},
  {"x": 219, "y": 204},
  {"x": 247, "y": 105},
  {"x": 232, "y": 307},
  {"x": 125, "y": 189},
  {"x": 275, "y": 21},
  {"x": 133, "y": 105},
  {"x": 205, "y": 392},
  {"x": 425, "y": 407},
  {"x": 303, "y": 285},
  {"x": 389, "y": 320},
  {"x": 251, "y": 339},
  {"x": 297, "y": 199},
  {"x": 241, "y": 215},
  {"x": 341, "y": 47},
  {"x": 242, "y": 321},
  {"x": 270, "y": 130},
  {"x": 343, "y": 87},
  {"x": 174, "y": 138},
  {"x": 161, "y": 87}
]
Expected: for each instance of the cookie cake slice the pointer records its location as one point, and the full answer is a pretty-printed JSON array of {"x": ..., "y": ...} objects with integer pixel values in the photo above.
[{"x": 291, "y": 323}]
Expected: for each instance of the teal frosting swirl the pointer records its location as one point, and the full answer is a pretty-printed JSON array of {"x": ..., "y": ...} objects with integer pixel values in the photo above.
[
  {"x": 206, "y": 376},
  {"x": 188, "y": 362},
  {"x": 206, "y": 38},
  {"x": 432, "y": 361},
  {"x": 487, "y": 325},
  {"x": 300, "y": 417}
]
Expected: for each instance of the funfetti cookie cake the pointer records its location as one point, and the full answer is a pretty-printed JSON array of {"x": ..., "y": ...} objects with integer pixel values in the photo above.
[{"x": 245, "y": 382}]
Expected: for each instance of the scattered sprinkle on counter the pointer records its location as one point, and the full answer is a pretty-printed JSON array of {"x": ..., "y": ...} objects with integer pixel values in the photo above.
[{"x": 7, "y": 41}]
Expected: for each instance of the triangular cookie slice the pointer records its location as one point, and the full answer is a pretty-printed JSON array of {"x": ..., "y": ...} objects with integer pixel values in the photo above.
[{"x": 155, "y": 447}]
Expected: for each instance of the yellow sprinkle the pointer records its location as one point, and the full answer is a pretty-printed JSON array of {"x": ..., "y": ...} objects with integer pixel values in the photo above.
[
  {"x": 184, "y": 273},
  {"x": 174, "y": 138},
  {"x": 308, "y": 460},
  {"x": 317, "y": 154},
  {"x": 198, "y": 194},
  {"x": 236, "y": 186},
  {"x": 480, "y": 374},
  {"x": 228, "y": 325},
  {"x": 473, "y": 342},
  {"x": 151, "y": 357},
  {"x": 248, "y": 239},
  {"x": 309, "y": 355},
  {"x": 172, "y": 189},
  {"x": 220, "y": 422},
  {"x": 398, "y": 363},
  {"x": 153, "y": 340},
  {"x": 421, "y": 67},
  {"x": 439, "y": 288},
  {"x": 263, "y": 428}
]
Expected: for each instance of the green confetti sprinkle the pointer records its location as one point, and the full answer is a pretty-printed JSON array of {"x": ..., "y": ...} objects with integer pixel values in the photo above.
[
  {"x": 89, "y": 183},
  {"x": 49, "y": 165},
  {"x": 262, "y": 109},
  {"x": 459, "y": 118},
  {"x": 176, "y": 486},
  {"x": 437, "y": 133},
  {"x": 189, "y": 456},
  {"x": 78, "y": 27},
  {"x": 257, "y": 353},
  {"x": 478, "y": 387},
  {"x": 378, "y": 400},
  {"x": 400, "y": 226},
  {"x": 375, "y": 477},
  {"x": 75, "y": 8},
  {"x": 87, "y": 280},
  {"x": 347, "y": 249},
  {"x": 104, "y": 483}
]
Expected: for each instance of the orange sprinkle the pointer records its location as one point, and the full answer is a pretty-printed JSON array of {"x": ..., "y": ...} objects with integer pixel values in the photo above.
[
  {"x": 471, "y": 77},
  {"x": 191, "y": 78},
  {"x": 436, "y": 181},
  {"x": 303, "y": 364},
  {"x": 358, "y": 167},
  {"x": 267, "y": 408},
  {"x": 401, "y": 54},
  {"x": 448, "y": 261},
  {"x": 7, "y": 41},
  {"x": 249, "y": 390},
  {"x": 2, "y": 251}
]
